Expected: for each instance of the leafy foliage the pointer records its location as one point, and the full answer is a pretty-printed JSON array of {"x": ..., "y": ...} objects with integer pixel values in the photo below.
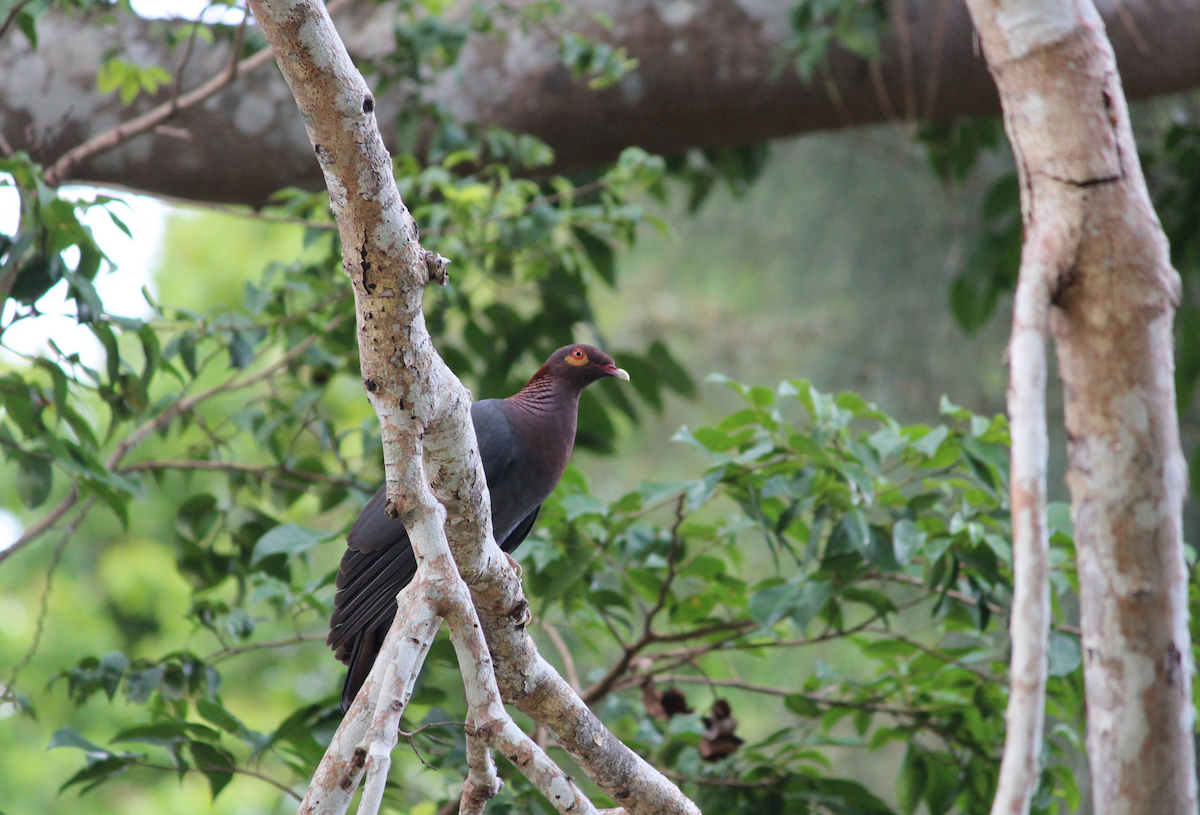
[
  {"x": 818, "y": 25},
  {"x": 863, "y": 564},
  {"x": 856, "y": 571},
  {"x": 828, "y": 583},
  {"x": 130, "y": 80}
]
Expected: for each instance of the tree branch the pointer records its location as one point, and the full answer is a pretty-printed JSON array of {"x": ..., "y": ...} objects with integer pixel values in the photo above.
[
  {"x": 724, "y": 89},
  {"x": 434, "y": 475},
  {"x": 1096, "y": 269}
]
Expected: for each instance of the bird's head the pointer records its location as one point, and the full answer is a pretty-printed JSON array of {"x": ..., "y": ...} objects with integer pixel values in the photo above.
[
  {"x": 583, "y": 364},
  {"x": 577, "y": 365}
]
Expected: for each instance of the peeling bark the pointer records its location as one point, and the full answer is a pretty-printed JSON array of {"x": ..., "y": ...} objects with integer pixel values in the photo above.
[
  {"x": 1097, "y": 259},
  {"x": 709, "y": 76}
]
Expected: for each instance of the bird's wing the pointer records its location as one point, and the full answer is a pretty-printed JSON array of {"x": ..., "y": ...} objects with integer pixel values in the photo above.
[
  {"x": 367, "y": 584},
  {"x": 522, "y": 529},
  {"x": 494, "y": 435},
  {"x": 379, "y": 559}
]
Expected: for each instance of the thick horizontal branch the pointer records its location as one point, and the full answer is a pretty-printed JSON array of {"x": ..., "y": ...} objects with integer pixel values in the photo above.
[{"x": 710, "y": 73}]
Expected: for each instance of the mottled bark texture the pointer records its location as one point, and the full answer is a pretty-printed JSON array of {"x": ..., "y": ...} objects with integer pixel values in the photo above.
[
  {"x": 1093, "y": 237},
  {"x": 710, "y": 74},
  {"x": 434, "y": 476}
]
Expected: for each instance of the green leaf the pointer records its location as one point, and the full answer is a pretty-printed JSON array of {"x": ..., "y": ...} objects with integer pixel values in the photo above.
[
  {"x": 216, "y": 763},
  {"x": 802, "y": 706},
  {"x": 1065, "y": 654},
  {"x": 241, "y": 350},
  {"x": 97, "y": 772},
  {"x": 69, "y": 737},
  {"x": 287, "y": 539},
  {"x": 928, "y": 444},
  {"x": 578, "y": 505},
  {"x": 17, "y": 399},
  {"x": 907, "y": 539},
  {"x": 911, "y": 782},
  {"x": 26, "y": 22},
  {"x": 196, "y": 516},
  {"x": 34, "y": 480},
  {"x": 771, "y": 604},
  {"x": 600, "y": 253},
  {"x": 161, "y": 733}
]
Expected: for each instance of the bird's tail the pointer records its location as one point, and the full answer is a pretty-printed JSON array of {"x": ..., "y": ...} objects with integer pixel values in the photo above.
[{"x": 362, "y": 658}]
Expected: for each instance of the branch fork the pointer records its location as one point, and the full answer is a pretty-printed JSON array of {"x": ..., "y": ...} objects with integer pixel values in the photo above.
[{"x": 435, "y": 483}]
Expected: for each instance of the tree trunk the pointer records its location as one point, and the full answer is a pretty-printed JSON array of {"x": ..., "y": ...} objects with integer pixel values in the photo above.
[
  {"x": 1092, "y": 235},
  {"x": 711, "y": 73}
]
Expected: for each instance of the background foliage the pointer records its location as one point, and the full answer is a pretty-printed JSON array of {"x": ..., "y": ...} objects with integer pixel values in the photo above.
[{"x": 799, "y": 581}]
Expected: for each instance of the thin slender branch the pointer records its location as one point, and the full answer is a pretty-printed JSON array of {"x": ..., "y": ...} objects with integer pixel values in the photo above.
[
  {"x": 967, "y": 599},
  {"x": 11, "y": 17},
  {"x": 937, "y": 654},
  {"x": 232, "y": 770},
  {"x": 665, "y": 588},
  {"x": 565, "y": 653},
  {"x": 43, "y": 525},
  {"x": 162, "y": 420},
  {"x": 177, "y": 86},
  {"x": 724, "y": 782},
  {"x": 226, "y": 653},
  {"x": 232, "y": 384},
  {"x": 1029, "y": 628},
  {"x": 107, "y": 140},
  {"x": 281, "y": 476},
  {"x": 815, "y": 698},
  {"x": 44, "y": 603}
]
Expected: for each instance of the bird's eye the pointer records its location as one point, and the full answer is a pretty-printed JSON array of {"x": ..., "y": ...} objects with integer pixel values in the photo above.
[{"x": 577, "y": 353}]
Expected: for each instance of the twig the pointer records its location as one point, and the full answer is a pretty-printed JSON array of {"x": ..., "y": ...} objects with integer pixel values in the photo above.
[
  {"x": 232, "y": 770},
  {"x": 723, "y": 782},
  {"x": 226, "y": 653},
  {"x": 47, "y": 522},
  {"x": 665, "y": 588},
  {"x": 904, "y": 40},
  {"x": 829, "y": 82},
  {"x": 773, "y": 691},
  {"x": 936, "y": 49},
  {"x": 232, "y": 384},
  {"x": 177, "y": 87},
  {"x": 282, "y": 479},
  {"x": 125, "y": 131},
  {"x": 565, "y": 653},
  {"x": 55, "y": 558},
  {"x": 246, "y": 212},
  {"x": 1131, "y": 27},
  {"x": 12, "y": 17},
  {"x": 967, "y": 599},
  {"x": 937, "y": 654}
]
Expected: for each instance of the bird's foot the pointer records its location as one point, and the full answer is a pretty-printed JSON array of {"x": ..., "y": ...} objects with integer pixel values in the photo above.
[
  {"x": 521, "y": 615},
  {"x": 516, "y": 566}
]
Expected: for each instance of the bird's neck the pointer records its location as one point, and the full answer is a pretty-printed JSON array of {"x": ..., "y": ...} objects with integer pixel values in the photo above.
[{"x": 544, "y": 396}]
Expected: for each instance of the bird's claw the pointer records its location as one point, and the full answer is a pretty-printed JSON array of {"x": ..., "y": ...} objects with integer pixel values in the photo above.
[
  {"x": 515, "y": 566},
  {"x": 521, "y": 615}
]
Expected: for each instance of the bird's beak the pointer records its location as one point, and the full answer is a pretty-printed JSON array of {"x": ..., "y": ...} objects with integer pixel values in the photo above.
[{"x": 619, "y": 373}]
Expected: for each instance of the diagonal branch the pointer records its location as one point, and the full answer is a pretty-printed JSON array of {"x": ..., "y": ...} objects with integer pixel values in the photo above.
[
  {"x": 116, "y": 136},
  {"x": 434, "y": 474}
]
